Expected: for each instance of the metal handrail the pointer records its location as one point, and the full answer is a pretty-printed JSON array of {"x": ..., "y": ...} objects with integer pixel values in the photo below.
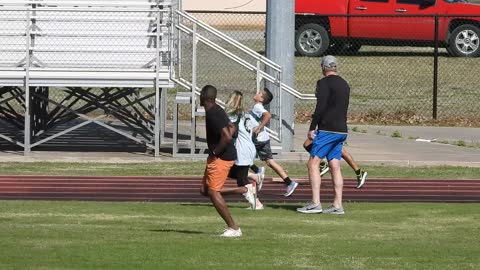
[
  {"x": 225, "y": 52},
  {"x": 191, "y": 30},
  {"x": 231, "y": 41},
  {"x": 298, "y": 94},
  {"x": 186, "y": 84},
  {"x": 239, "y": 60}
]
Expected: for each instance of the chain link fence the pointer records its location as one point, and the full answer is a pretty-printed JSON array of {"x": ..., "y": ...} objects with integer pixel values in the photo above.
[
  {"x": 393, "y": 82},
  {"x": 214, "y": 67}
]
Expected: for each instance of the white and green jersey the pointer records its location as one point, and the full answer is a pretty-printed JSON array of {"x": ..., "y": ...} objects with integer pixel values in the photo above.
[
  {"x": 257, "y": 113},
  {"x": 245, "y": 148}
]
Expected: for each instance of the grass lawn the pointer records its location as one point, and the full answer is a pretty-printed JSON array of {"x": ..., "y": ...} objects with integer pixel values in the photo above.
[
  {"x": 197, "y": 168},
  {"x": 81, "y": 235}
]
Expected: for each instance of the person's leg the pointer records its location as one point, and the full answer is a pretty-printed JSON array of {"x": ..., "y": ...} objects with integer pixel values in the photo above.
[
  {"x": 222, "y": 209},
  {"x": 289, "y": 183},
  {"x": 322, "y": 144},
  {"x": 254, "y": 177},
  {"x": 235, "y": 190},
  {"x": 217, "y": 172},
  {"x": 241, "y": 182},
  {"x": 241, "y": 174},
  {"x": 308, "y": 145},
  {"x": 264, "y": 152},
  {"x": 334, "y": 156},
  {"x": 244, "y": 187},
  {"x": 360, "y": 174},
  {"x": 254, "y": 168},
  {"x": 337, "y": 179},
  {"x": 314, "y": 178},
  {"x": 350, "y": 161},
  {"x": 278, "y": 170}
]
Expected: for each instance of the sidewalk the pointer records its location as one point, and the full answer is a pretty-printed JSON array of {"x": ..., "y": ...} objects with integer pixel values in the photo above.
[
  {"x": 369, "y": 145},
  {"x": 374, "y": 145}
]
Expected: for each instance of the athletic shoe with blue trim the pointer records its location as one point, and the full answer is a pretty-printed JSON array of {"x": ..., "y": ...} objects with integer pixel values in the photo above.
[
  {"x": 260, "y": 178},
  {"x": 290, "y": 189}
]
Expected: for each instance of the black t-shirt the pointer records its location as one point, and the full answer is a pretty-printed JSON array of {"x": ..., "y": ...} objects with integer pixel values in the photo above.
[
  {"x": 216, "y": 119},
  {"x": 333, "y": 94}
]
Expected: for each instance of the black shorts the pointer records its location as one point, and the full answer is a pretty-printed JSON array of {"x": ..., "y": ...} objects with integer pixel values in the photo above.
[
  {"x": 264, "y": 152},
  {"x": 240, "y": 173}
]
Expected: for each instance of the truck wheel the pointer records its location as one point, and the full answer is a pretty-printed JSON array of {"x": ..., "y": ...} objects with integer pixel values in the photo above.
[
  {"x": 465, "y": 41},
  {"x": 311, "y": 40}
]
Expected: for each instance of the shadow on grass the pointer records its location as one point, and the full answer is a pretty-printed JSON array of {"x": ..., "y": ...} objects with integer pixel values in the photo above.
[
  {"x": 176, "y": 231},
  {"x": 288, "y": 207},
  {"x": 210, "y": 205},
  {"x": 205, "y": 204}
]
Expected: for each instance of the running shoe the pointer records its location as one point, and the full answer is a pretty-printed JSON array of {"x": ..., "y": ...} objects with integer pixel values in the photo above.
[
  {"x": 260, "y": 178},
  {"x": 333, "y": 210},
  {"x": 324, "y": 168},
  {"x": 231, "y": 233},
  {"x": 311, "y": 208},
  {"x": 361, "y": 178},
  {"x": 290, "y": 189}
]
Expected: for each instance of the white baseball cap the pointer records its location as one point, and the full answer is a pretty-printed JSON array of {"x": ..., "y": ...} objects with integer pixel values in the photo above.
[{"x": 329, "y": 61}]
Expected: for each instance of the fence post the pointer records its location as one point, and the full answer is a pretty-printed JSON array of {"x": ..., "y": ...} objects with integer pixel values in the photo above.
[
  {"x": 435, "y": 70},
  {"x": 29, "y": 53},
  {"x": 157, "y": 129},
  {"x": 194, "y": 88}
]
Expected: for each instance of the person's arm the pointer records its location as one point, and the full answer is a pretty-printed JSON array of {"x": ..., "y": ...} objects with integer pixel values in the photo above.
[
  {"x": 321, "y": 93},
  {"x": 232, "y": 128},
  {"x": 233, "y": 121},
  {"x": 266, "y": 116},
  {"x": 225, "y": 138}
]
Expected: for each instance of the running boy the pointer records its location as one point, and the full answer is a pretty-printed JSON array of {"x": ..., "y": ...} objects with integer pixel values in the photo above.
[{"x": 261, "y": 139}]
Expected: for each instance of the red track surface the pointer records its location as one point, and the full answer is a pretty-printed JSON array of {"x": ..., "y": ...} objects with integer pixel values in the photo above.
[{"x": 186, "y": 189}]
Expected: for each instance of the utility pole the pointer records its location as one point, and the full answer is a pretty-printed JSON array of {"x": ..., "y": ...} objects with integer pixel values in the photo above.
[{"x": 280, "y": 48}]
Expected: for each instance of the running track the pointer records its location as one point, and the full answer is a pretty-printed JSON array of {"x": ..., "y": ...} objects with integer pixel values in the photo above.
[{"x": 186, "y": 189}]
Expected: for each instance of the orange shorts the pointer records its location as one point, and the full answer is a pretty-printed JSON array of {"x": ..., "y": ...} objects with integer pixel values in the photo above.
[{"x": 216, "y": 173}]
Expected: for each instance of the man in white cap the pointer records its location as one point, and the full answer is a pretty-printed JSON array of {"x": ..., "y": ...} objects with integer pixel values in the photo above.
[{"x": 328, "y": 130}]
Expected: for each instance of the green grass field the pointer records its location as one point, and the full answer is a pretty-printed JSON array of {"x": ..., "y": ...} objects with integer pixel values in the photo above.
[
  {"x": 197, "y": 168},
  {"x": 91, "y": 235},
  {"x": 81, "y": 235}
]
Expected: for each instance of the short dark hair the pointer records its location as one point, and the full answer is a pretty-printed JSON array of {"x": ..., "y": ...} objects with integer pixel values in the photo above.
[
  {"x": 209, "y": 92},
  {"x": 267, "y": 96}
]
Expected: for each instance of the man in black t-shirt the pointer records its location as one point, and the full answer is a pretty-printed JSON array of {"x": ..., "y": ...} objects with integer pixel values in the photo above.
[
  {"x": 328, "y": 130},
  {"x": 222, "y": 155}
]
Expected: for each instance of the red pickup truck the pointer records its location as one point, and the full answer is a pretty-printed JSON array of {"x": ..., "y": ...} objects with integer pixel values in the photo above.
[{"x": 330, "y": 25}]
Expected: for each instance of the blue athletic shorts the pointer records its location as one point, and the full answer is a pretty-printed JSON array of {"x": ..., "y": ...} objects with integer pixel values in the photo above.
[{"x": 327, "y": 144}]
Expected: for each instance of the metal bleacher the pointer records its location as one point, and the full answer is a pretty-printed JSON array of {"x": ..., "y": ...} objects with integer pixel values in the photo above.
[
  {"x": 66, "y": 64},
  {"x": 66, "y": 59}
]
